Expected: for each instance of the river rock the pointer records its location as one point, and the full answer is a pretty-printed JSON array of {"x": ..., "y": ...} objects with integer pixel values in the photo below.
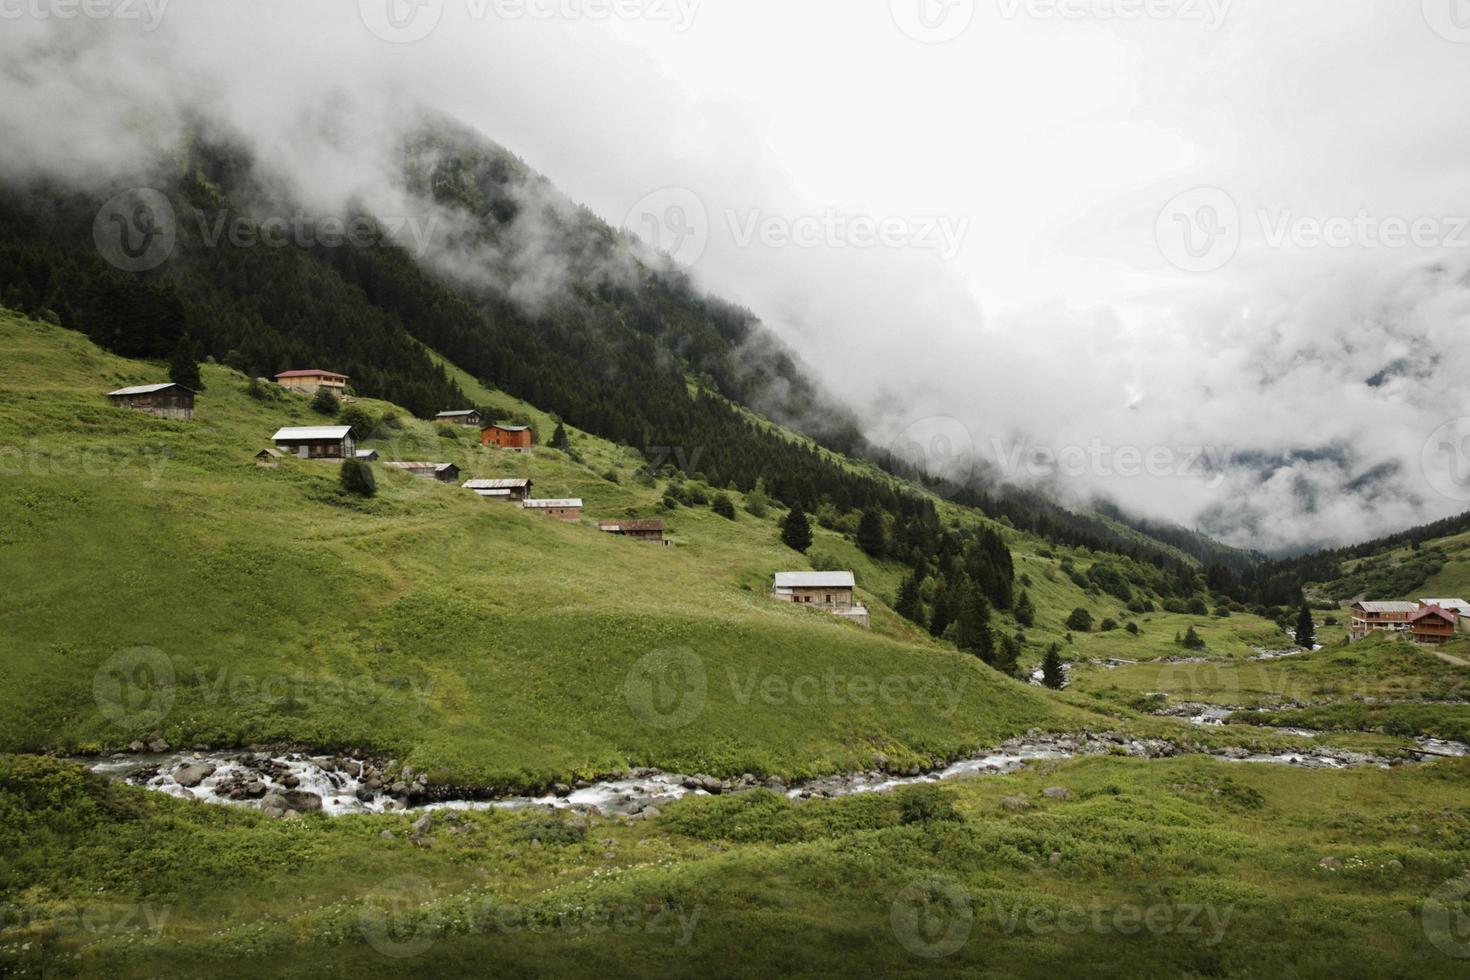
[
  {"x": 193, "y": 774},
  {"x": 424, "y": 824},
  {"x": 1056, "y": 793},
  {"x": 158, "y": 745},
  {"x": 1016, "y": 803}
]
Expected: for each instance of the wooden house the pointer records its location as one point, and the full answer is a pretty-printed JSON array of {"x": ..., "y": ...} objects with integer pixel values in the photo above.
[
  {"x": 317, "y": 442},
  {"x": 1433, "y": 626},
  {"x": 169, "y": 401},
  {"x": 269, "y": 459},
  {"x": 514, "y": 489},
  {"x": 1380, "y": 617},
  {"x": 440, "y": 472},
  {"x": 469, "y": 417},
  {"x": 652, "y": 530},
  {"x": 569, "y": 510},
  {"x": 828, "y": 591},
  {"x": 517, "y": 437},
  {"x": 1459, "y": 607},
  {"x": 368, "y": 455},
  {"x": 311, "y": 381}
]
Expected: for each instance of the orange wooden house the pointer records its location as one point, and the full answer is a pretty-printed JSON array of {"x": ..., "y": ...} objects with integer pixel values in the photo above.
[
  {"x": 1433, "y": 625},
  {"x": 516, "y": 437}
]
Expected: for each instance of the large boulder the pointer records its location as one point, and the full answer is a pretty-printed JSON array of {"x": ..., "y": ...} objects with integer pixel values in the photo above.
[{"x": 193, "y": 774}]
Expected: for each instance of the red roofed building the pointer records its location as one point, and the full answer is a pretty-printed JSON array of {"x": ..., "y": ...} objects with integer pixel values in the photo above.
[
  {"x": 1433, "y": 625},
  {"x": 311, "y": 381}
]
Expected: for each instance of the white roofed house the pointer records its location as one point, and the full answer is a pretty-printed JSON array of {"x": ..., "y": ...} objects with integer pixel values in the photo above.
[
  {"x": 501, "y": 489},
  {"x": 441, "y": 472},
  {"x": 317, "y": 442},
  {"x": 1381, "y": 617},
  {"x": 468, "y": 417},
  {"x": 168, "y": 401},
  {"x": 828, "y": 591},
  {"x": 569, "y": 509}
]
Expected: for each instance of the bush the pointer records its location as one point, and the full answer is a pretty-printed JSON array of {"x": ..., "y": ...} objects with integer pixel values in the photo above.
[
  {"x": 1197, "y": 607},
  {"x": 256, "y": 389},
  {"x": 1132, "y": 628},
  {"x": 1080, "y": 621},
  {"x": 1192, "y": 640},
  {"x": 723, "y": 506},
  {"x": 362, "y": 423},
  {"x": 357, "y": 478},
  {"x": 325, "y": 403},
  {"x": 1108, "y": 625},
  {"x": 924, "y": 804}
]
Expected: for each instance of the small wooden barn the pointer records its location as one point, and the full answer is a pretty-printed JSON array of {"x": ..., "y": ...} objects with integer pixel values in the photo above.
[
  {"x": 651, "y": 530},
  {"x": 569, "y": 510},
  {"x": 509, "y": 489},
  {"x": 441, "y": 472},
  {"x": 517, "y": 437},
  {"x": 317, "y": 442},
  {"x": 169, "y": 401},
  {"x": 829, "y": 591},
  {"x": 469, "y": 417},
  {"x": 269, "y": 459},
  {"x": 310, "y": 381}
]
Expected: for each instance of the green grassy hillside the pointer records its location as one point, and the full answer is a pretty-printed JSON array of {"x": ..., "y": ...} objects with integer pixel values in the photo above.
[{"x": 478, "y": 641}]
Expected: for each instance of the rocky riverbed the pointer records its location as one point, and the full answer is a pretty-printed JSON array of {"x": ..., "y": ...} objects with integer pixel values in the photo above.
[{"x": 291, "y": 784}]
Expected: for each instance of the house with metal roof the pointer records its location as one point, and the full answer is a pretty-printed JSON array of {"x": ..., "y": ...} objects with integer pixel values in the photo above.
[
  {"x": 1459, "y": 607},
  {"x": 1380, "y": 617},
  {"x": 167, "y": 401},
  {"x": 468, "y": 417},
  {"x": 829, "y": 591},
  {"x": 516, "y": 437},
  {"x": 441, "y": 472},
  {"x": 567, "y": 509},
  {"x": 317, "y": 442},
  {"x": 312, "y": 380},
  {"x": 649, "y": 530},
  {"x": 1433, "y": 625},
  {"x": 501, "y": 489}
]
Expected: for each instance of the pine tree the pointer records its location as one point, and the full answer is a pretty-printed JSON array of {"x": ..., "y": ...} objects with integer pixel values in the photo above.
[
  {"x": 910, "y": 606},
  {"x": 870, "y": 536},
  {"x": 1025, "y": 611},
  {"x": 1306, "y": 629},
  {"x": 973, "y": 634},
  {"x": 723, "y": 506},
  {"x": 1052, "y": 674},
  {"x": 1193, "y": 641},
  {"x": 1008, "y": 657},
  {"x": 559, "y": 439},
  {"x": 183, "y": 369},
  {"x": 796, "y": 530}
]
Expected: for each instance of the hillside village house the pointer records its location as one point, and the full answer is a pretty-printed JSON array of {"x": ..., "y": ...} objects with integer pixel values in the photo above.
[
  {"x": 517, "y": 437},
  {"x": 512, "y": 489},
  {"x": 469, "y": 417},
  {"x": 269, "y": 459},
  {"x": 829, "y": 591},
  {"x": 317, "y": 442},
  {"x": 1459, "y": 607},
  {"x": 1430, "y": 621},
  {"x": 442, "y": 472},
  {"x": 169, "y": 401},
  {"x": 569, "y": 510},
  {"x": 652, "y": 530},
  {"x": 1433, "y": 626},
  {"x": 368, "y": 455},
  {"x": 311, "y": 381}
]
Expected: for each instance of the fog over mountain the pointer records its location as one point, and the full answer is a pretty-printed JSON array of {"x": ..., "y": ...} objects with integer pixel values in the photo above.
[{"x": 988, "y": 230}]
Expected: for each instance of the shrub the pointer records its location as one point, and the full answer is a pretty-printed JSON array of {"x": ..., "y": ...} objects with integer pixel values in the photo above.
[
  {"x": 362, "y": 423},
  {"x": 1132, "y": 628},
  {"x": 1192, "y": 640},
  {"x": 357, "y": 478},
  {"x": 723, "y": 506},
  {"x": 256, "y": 389},
  {"x": 1108, "y": 625},
  {"x": 1197, "y": 607},
  {"x": 1080, "y": 621},
  {"x": 325, "y": 403},
  {"x": 925, "y": 804}
]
